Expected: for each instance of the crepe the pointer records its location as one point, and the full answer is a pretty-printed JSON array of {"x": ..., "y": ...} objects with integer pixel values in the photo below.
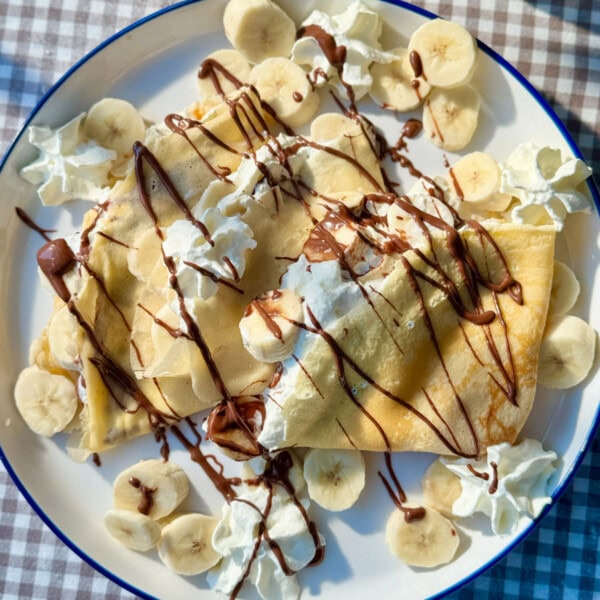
[
  {"x": 390, "y": 380},
  {"x": 120, "y": 303}
]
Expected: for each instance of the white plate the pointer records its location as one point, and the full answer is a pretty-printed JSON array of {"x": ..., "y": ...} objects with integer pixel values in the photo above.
[{"x": 153, "y": 64}]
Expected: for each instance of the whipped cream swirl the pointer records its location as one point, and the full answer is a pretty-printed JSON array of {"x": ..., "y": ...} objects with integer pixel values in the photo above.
[
  {"x": 69, "y": 166},
  {"x": 195, "y": 257},
  {"x": 545, "y": 183},
  {"x": 357, "y": 29},
  {"x": 510, "y": 482},
  {"x": 236, "y": 535}
]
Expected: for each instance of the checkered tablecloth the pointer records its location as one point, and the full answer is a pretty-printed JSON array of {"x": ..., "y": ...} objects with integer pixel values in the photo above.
[{"x": 556, "y": 45}]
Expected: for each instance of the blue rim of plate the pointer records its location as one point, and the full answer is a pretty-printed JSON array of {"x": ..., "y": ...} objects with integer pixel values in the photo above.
[{"x": 547, "y": 109}]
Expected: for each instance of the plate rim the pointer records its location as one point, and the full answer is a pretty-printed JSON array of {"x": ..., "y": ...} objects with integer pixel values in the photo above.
[{"x": 544, "y": 105}]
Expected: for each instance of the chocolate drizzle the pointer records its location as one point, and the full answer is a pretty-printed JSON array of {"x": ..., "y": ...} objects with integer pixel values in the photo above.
[
  {"x": 147, "y": 495},
  {"x": 235, "y": 422}
]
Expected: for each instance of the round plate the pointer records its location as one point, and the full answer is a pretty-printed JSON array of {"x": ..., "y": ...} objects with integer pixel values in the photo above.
[{"x": 153, "y": 65}]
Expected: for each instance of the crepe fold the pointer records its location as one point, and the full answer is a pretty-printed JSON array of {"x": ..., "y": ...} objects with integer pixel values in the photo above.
[{"x": 404, "y": 371}]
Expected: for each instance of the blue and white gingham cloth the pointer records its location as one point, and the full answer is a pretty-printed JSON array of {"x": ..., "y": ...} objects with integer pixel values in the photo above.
[{"x": 554, "y": 44}]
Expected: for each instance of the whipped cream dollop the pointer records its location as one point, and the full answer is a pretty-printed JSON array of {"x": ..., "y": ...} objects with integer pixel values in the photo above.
[
  {"x": 236, "y": 535},
  {"x": 329, "y": 293},
  {"x": 545, "y": 183},
  {"x": 357, "y": 29},
  {"x": 516, "y": 483},
  {"x": 257, "y": 174},
  {"x": 69, "y": 166},
  {"x": 196, "y": 259}
]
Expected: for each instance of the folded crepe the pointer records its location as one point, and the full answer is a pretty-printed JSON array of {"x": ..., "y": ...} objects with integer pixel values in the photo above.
[
  {"x": 405, "y": 371},
  {"x": 398, "y": 368}
]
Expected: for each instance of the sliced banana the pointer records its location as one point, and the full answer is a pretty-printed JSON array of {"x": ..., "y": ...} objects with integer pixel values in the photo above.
[
  {"x": 283, "y": 85},
  {"x": 151, "y": 487},
  {"x": 330, "y": 126},
  {"x": 259, "y": 29},
  {"x": 115, "y": 124},
  {"x": 450, "y": 117},
  {"x": 426, "y": 542},
  {"x": 441, "y": 488},
  {"x": 447, "y": 52},
  {"x": 566, "y": 353},
  {"x": 268, "y": 327},
  {"x": 395, "y": 85},
  {"x": 46, "y": 401},
  {"x": 476, "y": 178},
  {"x": 185, "y": 544},
  {"x": 132, "y": 529},
  {"x": 565, "y": 289},
  {"x": 233, "y": 62},
  {"x": 65, "y": 337},
  {"x": 335, "y": 478}
]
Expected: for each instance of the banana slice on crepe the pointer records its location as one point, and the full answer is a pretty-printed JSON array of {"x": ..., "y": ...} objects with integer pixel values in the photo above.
[{"x": 269, "y": 326}]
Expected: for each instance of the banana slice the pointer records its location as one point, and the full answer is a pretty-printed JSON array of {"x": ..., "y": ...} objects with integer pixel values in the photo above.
[
  {"x": 232, "y": 61},
  {"x": 283, "y": 85},
  {"x": 132, "y": 529},
  {"x": 450, "y": 117},
  {"x": 427, "y": 542},
  {"x": 46, "y": 401},
  {"x": 476, "y": 178},
  {"x": 65, "y": 337},
  {"x": 566, "y": 353},
  {"x": 267, "y": 327},
  {"x": 335, "y": 478},
  {"x": 151, "y": 487},
  {"x": 259, "y": 29},
  {"x": 395, "y": 85},
  {"x": 441, "y": 488},
  {"x": 115, "y": 124},
  {"x": 330, "y": 126},
  {"x": 185, "y": 544},
  {"x": 565, "y": 289},
  {"x": 447, "y": 53}
]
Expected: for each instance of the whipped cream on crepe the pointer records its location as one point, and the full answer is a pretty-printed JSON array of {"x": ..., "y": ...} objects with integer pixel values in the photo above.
[
  {"x": 545, "y": 183},
  {"x": 329, "y": 293},
  {"x": 69, "y": 166},
  {"x": 357, "y": 29},
  {"x": 225, "y": 258},
  {"x": 516, "y": 483}
]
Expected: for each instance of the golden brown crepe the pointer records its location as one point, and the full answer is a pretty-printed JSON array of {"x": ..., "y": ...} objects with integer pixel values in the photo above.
[{"x": 426, "y": 390}]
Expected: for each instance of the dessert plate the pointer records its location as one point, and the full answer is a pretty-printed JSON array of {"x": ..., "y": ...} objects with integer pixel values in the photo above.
[{"x": 152, "y": 64}]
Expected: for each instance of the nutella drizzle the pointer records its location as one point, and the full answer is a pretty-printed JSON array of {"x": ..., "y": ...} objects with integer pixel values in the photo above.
[
  {"x": 235, "y": 422},
  {"x": 494, "y": 485},
  {"x": 147, "y": 495},
  {"x": 32, "y": 225}
]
